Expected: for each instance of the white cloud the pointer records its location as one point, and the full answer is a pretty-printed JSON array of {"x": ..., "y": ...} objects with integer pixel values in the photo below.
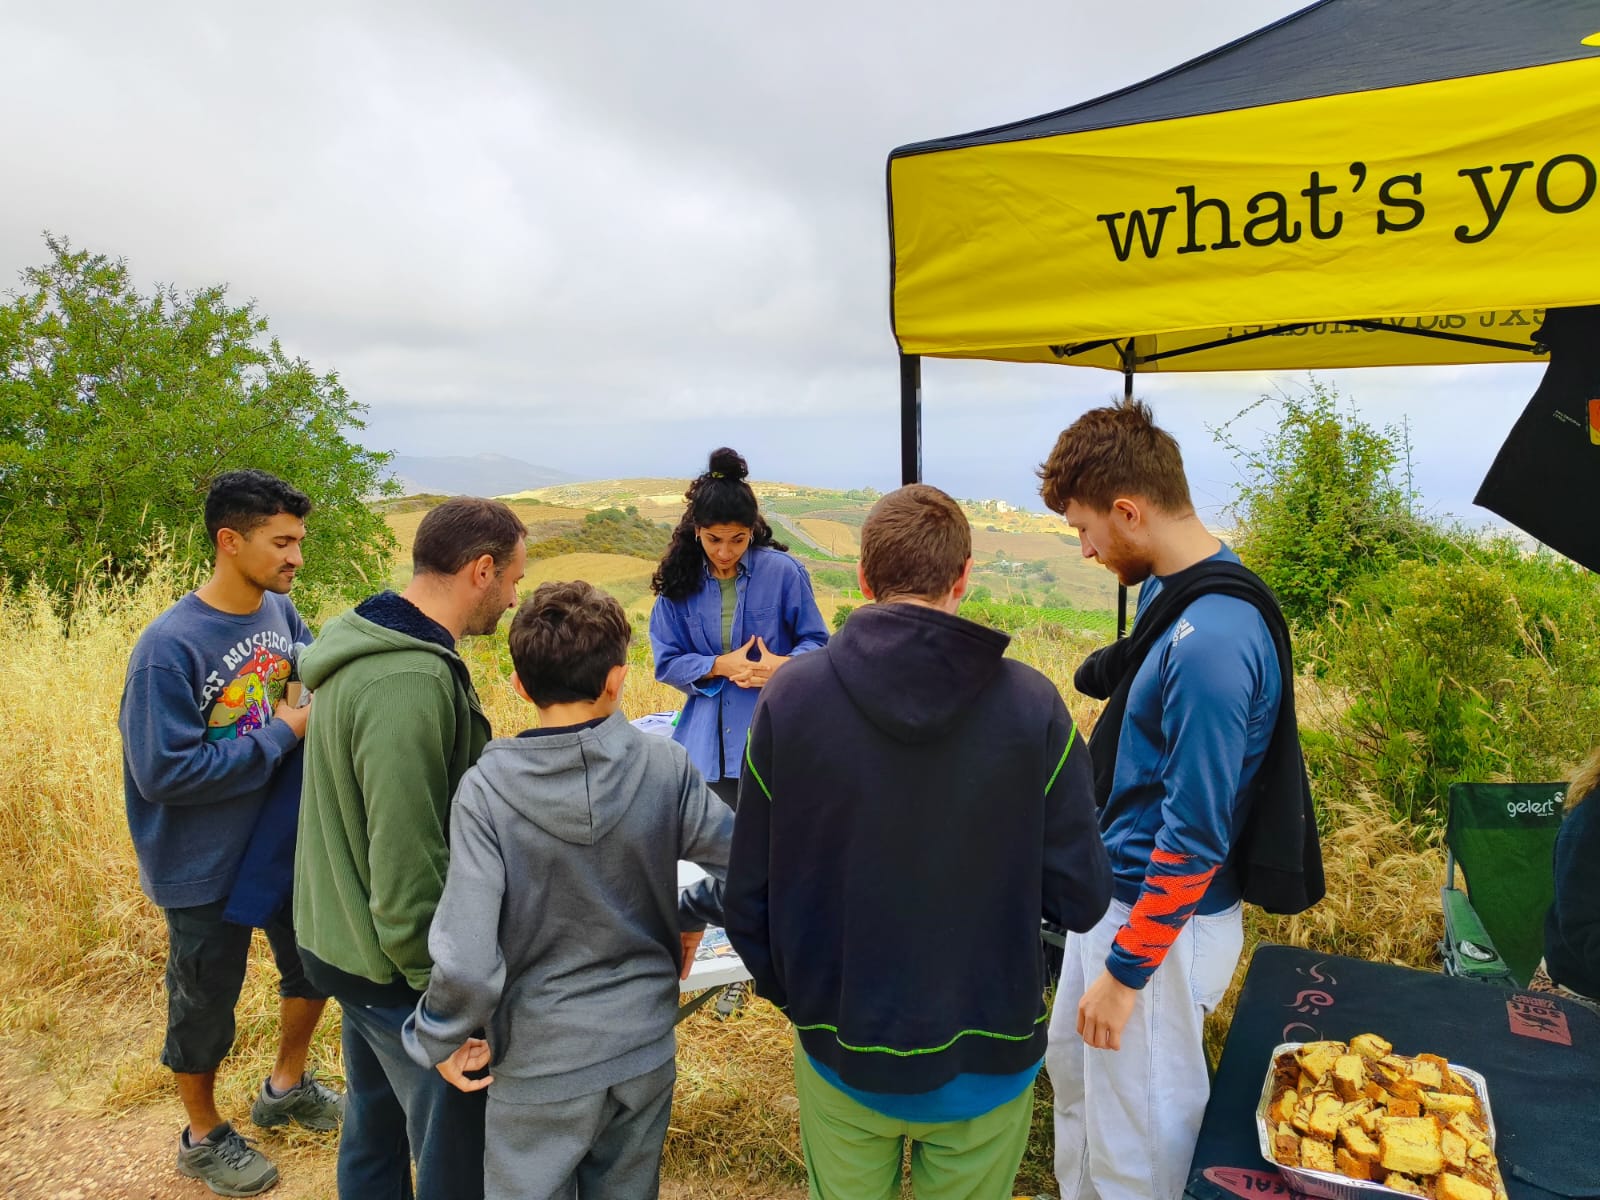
[{"x": 599, "y": 236}]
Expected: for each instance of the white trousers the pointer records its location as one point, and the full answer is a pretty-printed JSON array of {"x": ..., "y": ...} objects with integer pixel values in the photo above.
[{"x": 1127, "y": 1120}]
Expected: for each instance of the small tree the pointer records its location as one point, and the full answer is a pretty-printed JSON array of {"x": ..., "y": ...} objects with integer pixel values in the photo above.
[
  {"x": 117, "y": 409},
  {"x": 1319, "y": 505}
]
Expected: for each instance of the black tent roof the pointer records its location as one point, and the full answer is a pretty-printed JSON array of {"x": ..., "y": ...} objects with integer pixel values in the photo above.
[{"x": 1330, "y": 48}]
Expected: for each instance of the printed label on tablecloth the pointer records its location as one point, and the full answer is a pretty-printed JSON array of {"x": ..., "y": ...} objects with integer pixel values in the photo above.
[
  {"x": 1539, "y": 1017},
  {"x": 1246, "y": 1182}
]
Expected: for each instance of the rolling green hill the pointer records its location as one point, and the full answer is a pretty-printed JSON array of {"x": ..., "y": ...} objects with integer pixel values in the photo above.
[{"x": 1024, "y": 560}]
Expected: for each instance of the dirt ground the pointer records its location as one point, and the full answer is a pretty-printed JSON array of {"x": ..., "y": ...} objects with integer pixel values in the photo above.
[{"x": 54, "y": 1149}]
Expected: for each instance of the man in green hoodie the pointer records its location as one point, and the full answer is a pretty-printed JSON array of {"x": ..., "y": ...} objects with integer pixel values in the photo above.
[{"x": 397, "y": 725}]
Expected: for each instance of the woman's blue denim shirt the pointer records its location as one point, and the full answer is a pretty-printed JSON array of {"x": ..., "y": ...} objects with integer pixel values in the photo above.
[{"x": 775, "y": 603}]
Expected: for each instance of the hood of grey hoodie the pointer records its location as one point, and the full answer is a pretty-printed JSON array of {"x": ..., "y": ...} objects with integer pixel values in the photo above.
[{"x": 575, "y": 786}]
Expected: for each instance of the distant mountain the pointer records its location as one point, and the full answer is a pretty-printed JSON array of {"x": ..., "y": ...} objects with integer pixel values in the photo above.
[{"x": 477, "y": 475}]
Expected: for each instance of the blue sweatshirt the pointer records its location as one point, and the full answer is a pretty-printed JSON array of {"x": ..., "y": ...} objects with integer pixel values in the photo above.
[
  {"x": 199, "y": 745},
  {"x": 774, "y": 603},
  {"x": 1200, "y": 715}
]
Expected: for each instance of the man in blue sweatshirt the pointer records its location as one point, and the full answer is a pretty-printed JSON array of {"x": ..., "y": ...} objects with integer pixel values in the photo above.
[
  {"x": 204, "y": 730},
  {"x": 1126, "y": 1057},
  {"x": 914, "y": 804}
]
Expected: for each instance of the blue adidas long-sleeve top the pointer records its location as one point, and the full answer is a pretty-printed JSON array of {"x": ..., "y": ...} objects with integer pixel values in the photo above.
[
  {"x": 1200, "y": 715},
  {"x": 199, "y": 743}
]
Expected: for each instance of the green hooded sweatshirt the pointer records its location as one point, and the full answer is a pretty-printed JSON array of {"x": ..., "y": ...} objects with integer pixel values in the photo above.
[{"x": 395, "y": 723}]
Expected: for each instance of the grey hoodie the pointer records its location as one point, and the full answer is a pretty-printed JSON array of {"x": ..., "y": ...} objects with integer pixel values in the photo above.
[{"x": 558, "y": 927}]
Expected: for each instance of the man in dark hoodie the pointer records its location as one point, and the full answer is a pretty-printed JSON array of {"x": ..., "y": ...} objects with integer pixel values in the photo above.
[
  {"x": 397, "y": 725},
  {"x": 560, "y": 930},
  {"x": 913, "y": 804}
]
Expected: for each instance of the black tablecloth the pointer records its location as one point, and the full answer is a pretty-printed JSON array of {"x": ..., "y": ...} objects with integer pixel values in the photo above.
[{"x": 1539, "y": 1055}]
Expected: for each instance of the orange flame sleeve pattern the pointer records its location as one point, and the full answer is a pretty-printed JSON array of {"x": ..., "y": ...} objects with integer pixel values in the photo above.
[{"x": 1168, "y": 899}]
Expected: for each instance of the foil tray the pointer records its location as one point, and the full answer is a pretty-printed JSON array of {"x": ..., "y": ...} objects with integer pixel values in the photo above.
[{"x": 1326, "y": 1184}]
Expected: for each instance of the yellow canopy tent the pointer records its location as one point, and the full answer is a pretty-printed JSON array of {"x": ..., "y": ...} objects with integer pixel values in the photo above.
[{"x": 1363, "y": 183}]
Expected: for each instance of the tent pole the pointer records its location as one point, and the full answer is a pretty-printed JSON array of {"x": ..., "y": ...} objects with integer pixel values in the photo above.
[
  {"x": 1127, "y": 394},
  {"x": 910, "y": 418}
]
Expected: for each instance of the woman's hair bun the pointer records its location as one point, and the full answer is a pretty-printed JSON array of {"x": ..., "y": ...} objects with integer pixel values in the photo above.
[{"x": 728, "y": 464}]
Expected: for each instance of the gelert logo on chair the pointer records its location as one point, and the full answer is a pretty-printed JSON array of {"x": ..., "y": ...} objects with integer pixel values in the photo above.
[{"x": 1536, "y": 808}]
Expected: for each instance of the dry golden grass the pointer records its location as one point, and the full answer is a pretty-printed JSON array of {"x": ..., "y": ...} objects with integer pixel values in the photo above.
[
  {"x": 734, "y": 1115},
  {"x": 612, "y": 572},
  {"x": 81, "y": 950},
  {"x": 1022, "y": 545},
  {"x": 837, "y": 538}
]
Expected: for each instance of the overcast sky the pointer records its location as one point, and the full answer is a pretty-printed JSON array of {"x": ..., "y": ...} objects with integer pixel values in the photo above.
[{"x": 606, "y": 237}]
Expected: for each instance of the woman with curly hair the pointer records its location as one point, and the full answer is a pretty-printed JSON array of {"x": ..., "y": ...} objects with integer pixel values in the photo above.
[
  {"x": 1572, "y": 928},
  {"x": 732, "y": 607}
]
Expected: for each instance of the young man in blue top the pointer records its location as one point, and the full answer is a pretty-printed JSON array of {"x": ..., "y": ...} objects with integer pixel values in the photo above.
[
  {"x": 1126, "y": 1057},
  {"x": 913, "y": 804},
  {"x": 205, "y": 729}
]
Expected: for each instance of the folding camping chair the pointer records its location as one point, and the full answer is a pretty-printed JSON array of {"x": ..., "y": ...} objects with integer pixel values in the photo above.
[{"x": 1502, "y": 835}]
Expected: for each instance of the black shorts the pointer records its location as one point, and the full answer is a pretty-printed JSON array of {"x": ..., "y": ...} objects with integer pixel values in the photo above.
[{"x": 206, "y": 958}]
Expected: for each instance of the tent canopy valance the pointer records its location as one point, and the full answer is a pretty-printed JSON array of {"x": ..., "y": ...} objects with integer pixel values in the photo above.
[{"x": 1366, "y": 182}]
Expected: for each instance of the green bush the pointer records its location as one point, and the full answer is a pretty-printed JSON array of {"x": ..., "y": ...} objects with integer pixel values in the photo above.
[
  {"x": 118, "y": 408},
  {"x": 1043, "y": 621},
  {"x": 1319, "y": 506},
  {"x": 1481, "y": 667},
  {"x": 608, "y": 531}
]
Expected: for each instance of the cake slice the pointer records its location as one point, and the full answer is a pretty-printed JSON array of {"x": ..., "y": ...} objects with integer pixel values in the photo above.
[
  {"x": 1410, "y": 1145},
  {"x": 1454, "y": 1187}
]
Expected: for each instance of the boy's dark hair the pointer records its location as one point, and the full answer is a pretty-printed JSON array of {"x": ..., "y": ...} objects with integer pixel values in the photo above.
[
  {"x": 914, "y": 544},
  {"x": 245, "y": 500},
  {"x": 565, "y": 638},
  {"x": 462, "y": 529},
  {"x": 1115, "y": 452}
]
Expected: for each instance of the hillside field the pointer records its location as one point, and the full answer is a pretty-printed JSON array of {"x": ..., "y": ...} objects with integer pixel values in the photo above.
[{"x": 1022, "y": 558}]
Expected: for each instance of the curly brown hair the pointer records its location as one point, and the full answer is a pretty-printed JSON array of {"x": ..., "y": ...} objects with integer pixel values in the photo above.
[{"x": 1115, "y": 452}]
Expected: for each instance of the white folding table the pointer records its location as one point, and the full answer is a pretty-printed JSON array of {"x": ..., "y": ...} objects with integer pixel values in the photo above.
[{"x": 715, "y": 963}]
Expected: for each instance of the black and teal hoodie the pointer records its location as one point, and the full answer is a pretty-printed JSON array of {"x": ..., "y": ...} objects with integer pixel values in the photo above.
[{"x": 913, "y": 803}]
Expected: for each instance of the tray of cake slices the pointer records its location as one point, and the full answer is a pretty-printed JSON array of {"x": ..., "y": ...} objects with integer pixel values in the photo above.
[{"x": 1354, "y": 1121}]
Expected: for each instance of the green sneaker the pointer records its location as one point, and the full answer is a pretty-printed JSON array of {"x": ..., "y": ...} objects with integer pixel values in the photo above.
[
  {"x": 308, "y": 1103},
  {"x": 226, "y": 1163}
]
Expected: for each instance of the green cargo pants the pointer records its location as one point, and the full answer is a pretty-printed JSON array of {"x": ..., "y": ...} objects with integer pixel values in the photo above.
[{"x": 854, "y": 1153}]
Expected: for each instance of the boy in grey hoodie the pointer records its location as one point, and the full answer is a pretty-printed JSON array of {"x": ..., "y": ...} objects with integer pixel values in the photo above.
[{"x": 559, "y": 931}]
